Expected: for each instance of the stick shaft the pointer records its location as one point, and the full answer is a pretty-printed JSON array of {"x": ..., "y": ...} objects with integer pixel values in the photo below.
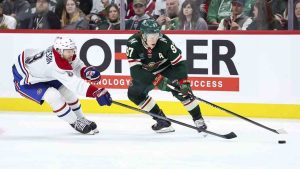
[
  {"x": 226, "y": 136},
  {"x": 228, "y": 111}
]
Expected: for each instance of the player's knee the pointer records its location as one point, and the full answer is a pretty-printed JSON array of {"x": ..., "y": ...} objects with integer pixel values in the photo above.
[
  {"x": 135, "y": 97},
  {"x": 179, "y": 97},
  {"x": 131, "y": 95},
  {"x": 54, "y": 98},
  {"x": 67, "y": 94}
]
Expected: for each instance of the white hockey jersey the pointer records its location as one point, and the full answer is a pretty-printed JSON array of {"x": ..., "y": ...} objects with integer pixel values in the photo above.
[{"x": 41, "y": 66}]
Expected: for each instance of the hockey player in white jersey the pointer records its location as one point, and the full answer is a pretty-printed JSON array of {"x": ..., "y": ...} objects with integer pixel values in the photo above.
[{"x": 55, "y": 75}]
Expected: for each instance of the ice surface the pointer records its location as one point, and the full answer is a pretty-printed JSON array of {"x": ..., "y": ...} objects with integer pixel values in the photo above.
[{"x": 42, "y": 141}]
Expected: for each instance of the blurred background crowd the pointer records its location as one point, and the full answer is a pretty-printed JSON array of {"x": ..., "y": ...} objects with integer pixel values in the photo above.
[{"x": 170, "y": 14}]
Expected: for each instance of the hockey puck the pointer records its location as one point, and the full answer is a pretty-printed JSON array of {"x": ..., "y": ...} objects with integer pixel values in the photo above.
[{"x": 281, "y": 141}]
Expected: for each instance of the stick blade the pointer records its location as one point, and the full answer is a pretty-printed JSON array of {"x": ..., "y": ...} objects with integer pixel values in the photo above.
[
  {"x": 230, "y": 135},
  {"x": 281, "y": 131}
]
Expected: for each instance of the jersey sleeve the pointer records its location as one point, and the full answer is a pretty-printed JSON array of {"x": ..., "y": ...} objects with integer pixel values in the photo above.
[
  {"x": 77, "y": 65},
  {"x": 173, "y": 53},
  {"x": 72, "y": 82},
  {"x": 135, "y": 63},
  {"x": 175, "y": 58}
]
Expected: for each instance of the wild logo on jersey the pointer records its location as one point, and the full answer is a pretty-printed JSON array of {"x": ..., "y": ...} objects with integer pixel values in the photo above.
[{"x": 151, "y": 66}]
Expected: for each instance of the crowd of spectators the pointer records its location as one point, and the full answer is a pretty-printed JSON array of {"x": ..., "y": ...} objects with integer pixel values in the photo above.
[{"x": 169, "y": 14}]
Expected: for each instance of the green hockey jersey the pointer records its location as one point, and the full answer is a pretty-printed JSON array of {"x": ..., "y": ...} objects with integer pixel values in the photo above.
[{"x": 146, "y": 63}]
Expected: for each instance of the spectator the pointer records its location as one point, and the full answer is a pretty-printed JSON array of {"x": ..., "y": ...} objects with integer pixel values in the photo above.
[
  {"x": 297, "y": 15},
  {"x": 52, "y": 5},
  {"x": 249, "y": 7},
  {"x": 19, "y": 9},
  {"x": 150, "y": 7},
  {"x": 72, "y": 16},
  {"x": 202, "y": 6},
  {"x": 134, "y": 23},
  {"x": 85, "y": 6},
  {"x": 170, "y": 20},
  {"x": 43, "y": 18},
  {"x": 113, "y": 19},
  {"x": 98, "y": 13},
  {"x": 6, "y": 22},
  {"x": 279, "y": 9},
  {"x": 263, "y": 18},
  {"x": 99, "y": 6},
  {"x": 220, "y": 9},
  {"x": 278, "y": 6},
  {"x": 189, "y": 18},
  {"x": 173, "y": 7},
  {"x": 160, "y": 8},
  {"x": 237, "y": 20}
]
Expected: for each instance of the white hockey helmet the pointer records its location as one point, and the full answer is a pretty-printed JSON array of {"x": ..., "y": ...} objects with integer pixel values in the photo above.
[{"x": 61, "y": 43}]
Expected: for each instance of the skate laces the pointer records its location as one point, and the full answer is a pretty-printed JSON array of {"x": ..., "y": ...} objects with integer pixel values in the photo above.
[
  {"x": 80, "y": 124},
  {"x": 88, "y": 122}
]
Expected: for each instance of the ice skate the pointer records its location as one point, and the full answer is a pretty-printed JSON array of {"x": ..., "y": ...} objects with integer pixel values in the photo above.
[
  {"x": 162, "y": 126},
  {"x": 85, "y": 126},
  {"x": 92, "y": 124},
  {"x": 200, "y": 124}
]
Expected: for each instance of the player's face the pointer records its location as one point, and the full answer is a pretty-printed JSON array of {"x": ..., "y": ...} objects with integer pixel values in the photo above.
[
  {"x": 151, "y": 39},
  {"x": 68, "y": 54}
]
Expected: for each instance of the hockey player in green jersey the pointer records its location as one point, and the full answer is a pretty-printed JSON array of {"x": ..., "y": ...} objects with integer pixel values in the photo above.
[{"x": 155, "y": 61}]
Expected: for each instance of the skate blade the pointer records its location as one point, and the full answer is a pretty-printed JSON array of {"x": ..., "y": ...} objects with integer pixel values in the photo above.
[
  {"x": 93, "y": 132},
  {"x": 166, "y": 130},
  {"x": 203, "y": 134}
]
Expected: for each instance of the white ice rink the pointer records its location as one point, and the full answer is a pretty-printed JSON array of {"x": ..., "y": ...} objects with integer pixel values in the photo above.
[{"x": 42, "y": 141}]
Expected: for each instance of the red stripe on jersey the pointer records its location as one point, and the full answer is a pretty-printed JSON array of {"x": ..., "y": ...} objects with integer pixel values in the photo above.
[
  {"x": 61, "y": 62},
  {"x": 174, "y": 62},
  {"x": 26, "y": 71}
]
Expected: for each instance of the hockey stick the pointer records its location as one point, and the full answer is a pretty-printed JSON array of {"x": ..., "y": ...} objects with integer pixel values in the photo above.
[
  {"x": 225, "y": 136},
  {"x": 279, "y": 131}
]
